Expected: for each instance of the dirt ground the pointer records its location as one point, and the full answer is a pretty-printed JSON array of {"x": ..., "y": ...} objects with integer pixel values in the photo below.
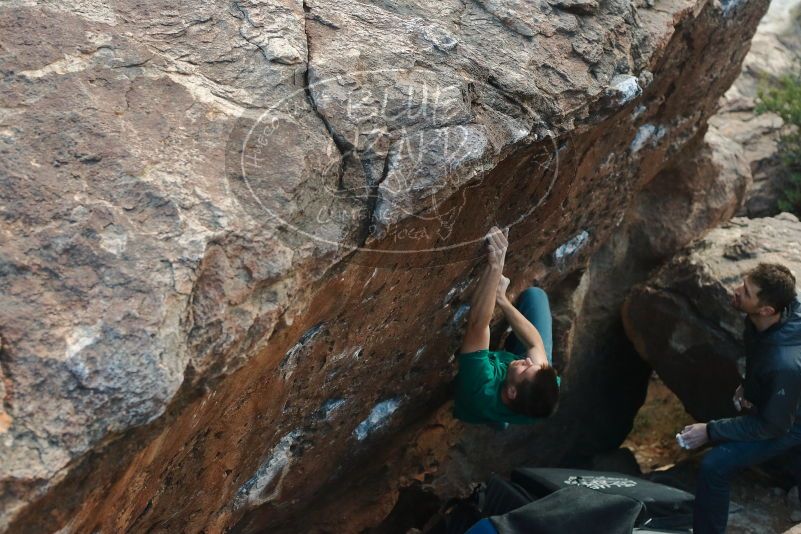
[{"x": 759, "y": 505}]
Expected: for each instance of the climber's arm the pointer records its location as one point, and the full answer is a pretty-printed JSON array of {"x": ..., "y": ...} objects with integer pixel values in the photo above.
[
  {"x": 477, "y": 335},
  {"x": 525, "y": 331}
]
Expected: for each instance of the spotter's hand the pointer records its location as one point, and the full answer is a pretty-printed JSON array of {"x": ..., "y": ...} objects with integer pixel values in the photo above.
[{"x": 695, "y": 435}]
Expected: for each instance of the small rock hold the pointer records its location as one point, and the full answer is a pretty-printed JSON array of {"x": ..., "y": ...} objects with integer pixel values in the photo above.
[
  {"x": 647, "y": 135},
  {"x": 379, "y": 415},
  {"x": 584, "y": 7},
  {"x": 626, "y": 87},
  {"x": 441, "y": 39},
  {"x": 742, "y": 248},
  {"x": 280, "y": 51},
  {"x": 567, "y": 23},
  {"x": 590, "y": 52},
  {"x": 569, "y": 248}
]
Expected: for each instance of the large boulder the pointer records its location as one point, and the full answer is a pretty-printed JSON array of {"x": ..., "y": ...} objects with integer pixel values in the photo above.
[
  {"x": 682, "y": 323},
  {"x": 239, "y": 238}
]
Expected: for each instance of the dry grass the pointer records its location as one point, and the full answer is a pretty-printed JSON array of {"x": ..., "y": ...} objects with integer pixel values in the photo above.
[{"x": 653, "y": 437}]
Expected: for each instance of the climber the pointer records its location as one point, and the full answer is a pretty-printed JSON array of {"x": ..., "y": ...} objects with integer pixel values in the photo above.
[
  {"x": 518, "y": 384},
  {"x": 770, "y": 395}
]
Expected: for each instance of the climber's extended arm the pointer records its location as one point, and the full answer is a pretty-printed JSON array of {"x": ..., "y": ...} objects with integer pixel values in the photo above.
[
  {"x": 525, "y": 331},
  {"x": 477, "y": 335}
]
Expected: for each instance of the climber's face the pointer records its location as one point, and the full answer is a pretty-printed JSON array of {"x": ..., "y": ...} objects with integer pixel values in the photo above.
[{"x": 519, "y": 372}]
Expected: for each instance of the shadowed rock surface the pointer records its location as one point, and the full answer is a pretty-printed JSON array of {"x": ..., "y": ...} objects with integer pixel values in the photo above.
[{"x": 239, "y": 240}]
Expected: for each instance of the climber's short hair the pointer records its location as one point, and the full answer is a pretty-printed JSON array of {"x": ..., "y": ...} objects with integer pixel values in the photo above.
[{"x": 538, "y": 396}]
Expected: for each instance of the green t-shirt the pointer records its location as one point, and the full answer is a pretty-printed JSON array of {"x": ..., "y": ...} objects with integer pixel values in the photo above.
[{"x": 478, "y": 388}]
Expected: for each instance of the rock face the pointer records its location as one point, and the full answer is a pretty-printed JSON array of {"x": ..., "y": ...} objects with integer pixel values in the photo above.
[
  {"x": 774, "y": 50},
  {"x": 239, "y": 239},
  {"x": 691, "y": 195},
  {"x": 682, "y": 323}
]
